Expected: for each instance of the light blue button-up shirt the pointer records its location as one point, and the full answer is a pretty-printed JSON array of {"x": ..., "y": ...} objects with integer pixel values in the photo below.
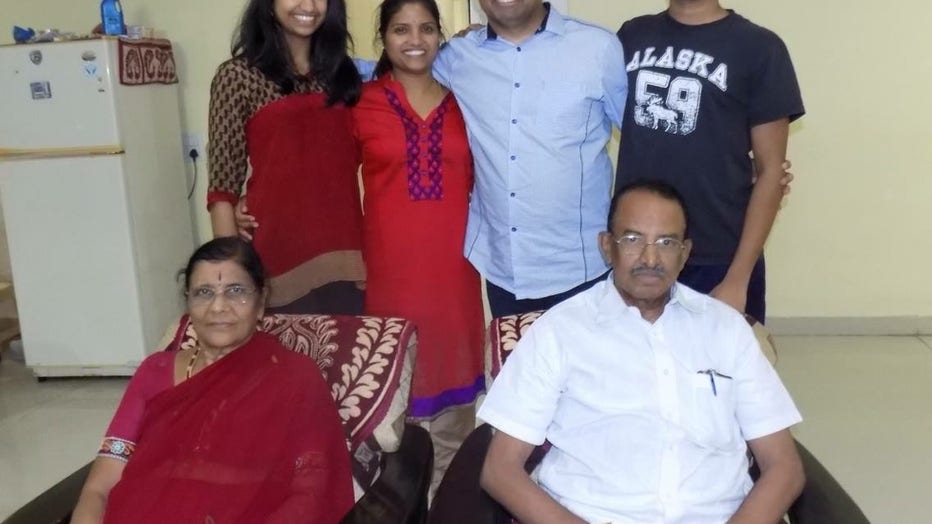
[{"x": 539, "y": 115}]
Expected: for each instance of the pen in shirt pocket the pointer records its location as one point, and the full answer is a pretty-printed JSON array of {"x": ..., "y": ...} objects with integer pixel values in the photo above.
[{"x": 712, "y": 374}]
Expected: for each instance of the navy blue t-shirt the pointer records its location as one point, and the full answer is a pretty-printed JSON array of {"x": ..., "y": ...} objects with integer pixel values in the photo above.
[{"x": 694, "y": 93}]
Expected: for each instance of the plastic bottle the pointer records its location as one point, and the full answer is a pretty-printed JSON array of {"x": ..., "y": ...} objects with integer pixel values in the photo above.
[{"x": 111, "y": 17}]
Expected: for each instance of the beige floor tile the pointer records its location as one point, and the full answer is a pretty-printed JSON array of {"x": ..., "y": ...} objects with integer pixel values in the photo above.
[
  {"x": 867, "y": 403},
  {"x": 43, "y": 446},
  {"x": 21, "y": 391},
  {"x": 48, "y": 429}
]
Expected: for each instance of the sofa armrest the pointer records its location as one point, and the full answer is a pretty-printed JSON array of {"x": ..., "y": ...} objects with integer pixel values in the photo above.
[
  {"x": 460, "y": 499},
  {"x": 55, "y": 505},
  {"x": 399, "y": 495},
  {"x": 823, "y": 500}
]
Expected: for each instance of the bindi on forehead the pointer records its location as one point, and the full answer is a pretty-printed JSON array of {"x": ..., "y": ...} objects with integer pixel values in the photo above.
[{"x": 222, "y": 273}]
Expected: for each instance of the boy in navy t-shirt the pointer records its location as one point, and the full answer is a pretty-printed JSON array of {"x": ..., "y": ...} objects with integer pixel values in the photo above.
[{"x": 706, "y": 87}]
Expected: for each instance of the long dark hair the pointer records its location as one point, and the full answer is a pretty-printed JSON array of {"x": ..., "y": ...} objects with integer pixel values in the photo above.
[
  {"x": 261, "y": 41},
  {"x": 387, "y": 10}
]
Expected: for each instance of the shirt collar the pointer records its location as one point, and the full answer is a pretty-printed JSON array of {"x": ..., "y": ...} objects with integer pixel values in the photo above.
[
  {"x": 687, "y": 298},
  {"x": 610, "y": 304},
  {"x": 553, "y": 22}
]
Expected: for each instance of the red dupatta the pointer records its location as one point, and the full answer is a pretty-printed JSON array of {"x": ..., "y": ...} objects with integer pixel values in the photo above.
[{"x": 253, "y": 438}]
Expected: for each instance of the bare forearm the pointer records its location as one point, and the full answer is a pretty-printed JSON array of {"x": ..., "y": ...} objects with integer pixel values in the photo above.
[
  {"x": 758, "y": 221},
  {"x": 90, "y": 509},
  {"x": 781, "y": 480},
  {"x": 524, "y": 499},
  {"x": 772, "y": 495},
  {"x": 222, "y": 219},
  {"x": 768, "y": 142}
]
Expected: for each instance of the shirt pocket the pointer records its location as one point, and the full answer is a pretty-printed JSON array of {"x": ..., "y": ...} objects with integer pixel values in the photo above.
[
  {"x": 712, "y": 422},
  {"x": 563, "y": 107}
]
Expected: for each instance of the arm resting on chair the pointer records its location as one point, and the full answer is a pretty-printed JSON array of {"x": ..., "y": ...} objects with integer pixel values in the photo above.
[
  {"x": 503, "y": 476},
  {"x": 460, "y": 499},
  {"x": 781, "y": 480},
  {"x": 105, "y": 473},
  {"x": 823, "y": 500}
]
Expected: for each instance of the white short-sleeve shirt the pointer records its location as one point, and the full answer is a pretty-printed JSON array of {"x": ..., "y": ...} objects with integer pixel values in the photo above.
[{"x": 648, "y": 422}]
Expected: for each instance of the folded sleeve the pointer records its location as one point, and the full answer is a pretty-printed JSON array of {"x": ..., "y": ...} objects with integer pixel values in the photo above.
[
  {"x": 764, "y": 405},
  {"x": 523, "y": 399}
]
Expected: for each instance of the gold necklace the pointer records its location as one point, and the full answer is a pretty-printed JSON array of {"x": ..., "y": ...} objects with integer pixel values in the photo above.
[{"x": 197, "y": 350}]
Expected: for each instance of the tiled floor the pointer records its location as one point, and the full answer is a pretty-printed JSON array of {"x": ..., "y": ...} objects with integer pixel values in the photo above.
[
  {"x": 867, "y": 402},
  {"x": 47, "y": 429}
]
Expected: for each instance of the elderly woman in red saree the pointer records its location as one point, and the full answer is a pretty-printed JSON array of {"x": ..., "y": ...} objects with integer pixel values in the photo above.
[{"x": 237, "y": 429}]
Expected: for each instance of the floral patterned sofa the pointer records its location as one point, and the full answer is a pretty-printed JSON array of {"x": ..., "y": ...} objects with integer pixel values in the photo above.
[{"x": 367, "y": 362}]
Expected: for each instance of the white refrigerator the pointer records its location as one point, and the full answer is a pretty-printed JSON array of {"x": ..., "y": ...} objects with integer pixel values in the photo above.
[{"x": 94, "y": 196}]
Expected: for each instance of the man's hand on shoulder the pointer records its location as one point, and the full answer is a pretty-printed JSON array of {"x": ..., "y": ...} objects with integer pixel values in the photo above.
[
  {"x": 463, "y": 32},
  {"x": 785, "y": 182},
  {"x": 733, "y": 293}
]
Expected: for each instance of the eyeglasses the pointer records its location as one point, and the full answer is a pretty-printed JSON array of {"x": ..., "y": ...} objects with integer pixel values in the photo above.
[
  {"x": 235, "y": 294},
  {"x": 633, "y": 244}
]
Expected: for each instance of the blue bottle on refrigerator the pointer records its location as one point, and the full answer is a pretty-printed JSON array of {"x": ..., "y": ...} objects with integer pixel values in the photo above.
[{"x": 111, "y": 17}]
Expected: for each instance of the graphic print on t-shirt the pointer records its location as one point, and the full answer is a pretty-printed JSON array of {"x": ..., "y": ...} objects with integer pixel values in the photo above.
[{"x": 669, "y": 100}]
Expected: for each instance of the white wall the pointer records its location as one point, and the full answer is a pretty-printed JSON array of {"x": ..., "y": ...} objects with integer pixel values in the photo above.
[{"x": 854, "y": 239}]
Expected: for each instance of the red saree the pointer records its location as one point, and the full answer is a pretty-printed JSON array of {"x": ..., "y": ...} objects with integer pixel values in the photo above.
[{"x": 253, "y": 438}]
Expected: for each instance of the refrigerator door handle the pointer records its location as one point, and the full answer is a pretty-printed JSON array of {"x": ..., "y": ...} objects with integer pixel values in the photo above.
[{"x": 59, "y": 152}]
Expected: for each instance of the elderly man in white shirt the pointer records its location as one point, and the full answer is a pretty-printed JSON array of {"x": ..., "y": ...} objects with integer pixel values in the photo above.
[{"x": 649, "y": 392}]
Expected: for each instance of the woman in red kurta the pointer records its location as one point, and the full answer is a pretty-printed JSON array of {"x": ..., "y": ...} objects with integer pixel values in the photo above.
[
  {"x": 280, "y": 106},
  {"x": 417, "y": 174}
]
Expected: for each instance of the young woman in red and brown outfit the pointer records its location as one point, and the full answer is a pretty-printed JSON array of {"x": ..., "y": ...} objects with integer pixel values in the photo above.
[{"x": 280, "y": 106}]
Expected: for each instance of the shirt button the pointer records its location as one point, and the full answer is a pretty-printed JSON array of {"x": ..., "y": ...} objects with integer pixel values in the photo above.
[
  {"x": 514, "y": 229},
  {"x": 514, "y": 120},
  {"x": 514, "y": 157},
  {"x": 512, "y": 195},
  {"x": 517, "y": 84},
  {"x": 666, "y": 372},
  {"x": 519, "y": 49}
]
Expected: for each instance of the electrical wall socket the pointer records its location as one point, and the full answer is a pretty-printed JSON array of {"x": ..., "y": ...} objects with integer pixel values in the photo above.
[{"x": 195, "y": 141}]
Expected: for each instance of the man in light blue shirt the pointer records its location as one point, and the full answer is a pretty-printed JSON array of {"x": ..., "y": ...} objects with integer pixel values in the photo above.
[{"x": 540, "y": 93}]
